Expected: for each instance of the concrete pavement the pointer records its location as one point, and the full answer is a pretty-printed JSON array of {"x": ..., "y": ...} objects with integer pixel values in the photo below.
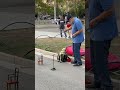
[{"x": 66, "y": 77}]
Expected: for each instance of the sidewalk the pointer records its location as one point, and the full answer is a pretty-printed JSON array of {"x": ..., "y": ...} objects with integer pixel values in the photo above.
[
  {"x": 65, "y": 77},
  {"x": 47, "y": 54}
]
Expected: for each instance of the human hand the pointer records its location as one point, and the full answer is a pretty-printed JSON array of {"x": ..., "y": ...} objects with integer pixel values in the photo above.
[
  {"x": 73, "y": 35},
  {"x": 65, "y": 30},
  {"x": 93, "y": 22}
]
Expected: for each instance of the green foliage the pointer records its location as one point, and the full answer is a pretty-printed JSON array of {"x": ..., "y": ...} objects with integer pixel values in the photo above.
[
  {"x": 77, "y": 8},
  {"x": 80, "y": 9},
  {"x": 43, "y": 8}
]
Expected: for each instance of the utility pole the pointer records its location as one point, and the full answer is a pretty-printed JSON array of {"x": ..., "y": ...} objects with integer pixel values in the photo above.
[{"x": 54, "y": 9}]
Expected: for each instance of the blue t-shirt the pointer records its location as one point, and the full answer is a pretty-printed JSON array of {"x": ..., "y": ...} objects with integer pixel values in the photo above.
[
  {"x": 77, "y": 25},
  {"x": 106, "y": 29}
]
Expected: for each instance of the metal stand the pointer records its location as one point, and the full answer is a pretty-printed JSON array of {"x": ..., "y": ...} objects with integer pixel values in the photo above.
[{"x": 53, "y": 69}]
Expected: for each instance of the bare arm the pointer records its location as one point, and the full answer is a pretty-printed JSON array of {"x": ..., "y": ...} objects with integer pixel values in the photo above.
[
  {"x": 104, "y": 15},
  {"x": 101, "y": 17},
  {"x": 77, "y": 33},
  {"x": 68, "y": 29}
]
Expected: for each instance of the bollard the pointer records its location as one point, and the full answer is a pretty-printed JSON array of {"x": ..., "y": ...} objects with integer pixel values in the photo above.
[
  {"x": 41, "y": 59},
  {"x": 53, "y": 69}
]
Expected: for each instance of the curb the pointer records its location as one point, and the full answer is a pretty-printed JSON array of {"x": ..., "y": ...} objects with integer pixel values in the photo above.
[
  {"x": 46, "y": 53},
  {"x": 50, "y": 54}
]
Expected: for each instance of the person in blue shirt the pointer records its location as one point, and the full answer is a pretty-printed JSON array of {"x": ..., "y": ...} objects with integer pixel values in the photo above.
[
  {"x": 103, "y": 28},
  {"x": 77, "y": 38}
]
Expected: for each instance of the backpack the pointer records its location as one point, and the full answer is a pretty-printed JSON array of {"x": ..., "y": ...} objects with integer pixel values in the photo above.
[{"x": 62, "y": 57}]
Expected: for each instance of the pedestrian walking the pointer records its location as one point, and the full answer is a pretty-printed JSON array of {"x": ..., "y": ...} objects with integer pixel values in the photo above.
[{"x": 62, "y": 26}]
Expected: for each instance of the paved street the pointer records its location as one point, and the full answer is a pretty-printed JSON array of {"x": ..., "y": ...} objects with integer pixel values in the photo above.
[
  {"x": 48, "y": 31},
  {"x": 66, "y": 77},
  {"x": 52, "y": 32}
]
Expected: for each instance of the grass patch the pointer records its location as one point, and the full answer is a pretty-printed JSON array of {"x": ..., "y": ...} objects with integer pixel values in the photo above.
[{"x": 52, "y": 44}]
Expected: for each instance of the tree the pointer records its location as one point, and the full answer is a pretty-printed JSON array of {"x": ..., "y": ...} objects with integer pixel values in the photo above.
[
  {"x": 75, "y": 7},
  {"x": 43, "y": 8}
]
